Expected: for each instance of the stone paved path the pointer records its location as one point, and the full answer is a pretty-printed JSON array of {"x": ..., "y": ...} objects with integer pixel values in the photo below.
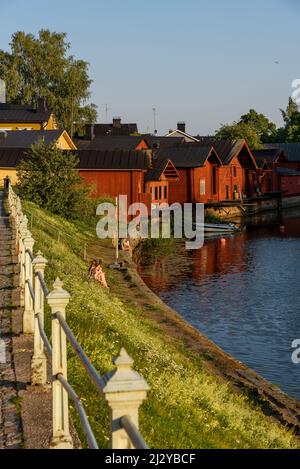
[{"x": 10, "y": 423}]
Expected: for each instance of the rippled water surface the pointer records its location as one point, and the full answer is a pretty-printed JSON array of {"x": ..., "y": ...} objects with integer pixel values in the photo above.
[{"x": 243, "y": 293}]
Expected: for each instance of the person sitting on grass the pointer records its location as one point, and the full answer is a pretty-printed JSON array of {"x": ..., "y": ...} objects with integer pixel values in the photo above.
[
  {"x": 92, "y": 269},
  {"x": 100, "y": 275}
]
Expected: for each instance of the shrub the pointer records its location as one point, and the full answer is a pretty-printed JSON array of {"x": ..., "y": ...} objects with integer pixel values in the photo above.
[{"x": 48, "y": 177}]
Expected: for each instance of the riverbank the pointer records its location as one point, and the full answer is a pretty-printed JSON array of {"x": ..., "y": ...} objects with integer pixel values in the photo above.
[
  {"x": 238, "y": 210},
  {"x": 200, "y": 397}
]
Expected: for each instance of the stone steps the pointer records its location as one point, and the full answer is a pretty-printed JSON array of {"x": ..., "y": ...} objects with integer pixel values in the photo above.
[{"x": 10, "y": 423}]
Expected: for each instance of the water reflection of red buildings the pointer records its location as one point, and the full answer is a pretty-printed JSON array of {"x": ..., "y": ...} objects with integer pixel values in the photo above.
[{"x": 223, "y": 255}]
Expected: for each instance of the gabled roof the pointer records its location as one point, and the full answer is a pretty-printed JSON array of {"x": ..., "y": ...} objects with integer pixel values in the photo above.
[
  {"x": 162, "y": 166},
  {"x": 183, "y": 134},
  {"x": 104, "y": 143},
  {"x": 15, "y": 113},
  {"x": 26, "y": 138},
  {"x": 113, "y": 160},
  {"x": 188, "y": 156},
  {"x": 261, "y": 162},
  {"x": 269, "y": 156},
  {"x": 228, "y": 149},
  {"x": 292, "y": 150},
  {"x": 156, "y": 142}
]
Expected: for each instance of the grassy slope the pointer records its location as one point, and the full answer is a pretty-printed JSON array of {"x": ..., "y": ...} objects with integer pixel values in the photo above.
[{"x": 187, "y": 407}]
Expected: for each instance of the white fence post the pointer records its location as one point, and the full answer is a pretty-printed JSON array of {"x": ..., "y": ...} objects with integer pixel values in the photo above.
[
  {"x": 28, "y": 318},
  {"x": 22, "y": 232},
  {"x": 124, "y": 391},
  {"x": 61, "y": 438},
  {"x": 39, "y": 359}
]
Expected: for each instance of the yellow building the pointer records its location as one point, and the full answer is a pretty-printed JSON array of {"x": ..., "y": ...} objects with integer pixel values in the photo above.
[
  {"x": 22, "y": 117},
  {"x": 14, "y": 144}
]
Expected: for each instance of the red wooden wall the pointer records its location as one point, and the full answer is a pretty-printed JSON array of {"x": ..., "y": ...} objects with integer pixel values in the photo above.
[
  {"x": 290, "y": 185},
  {"x": 201, "y": 177},
  {"x": 228, "y": 176},
  {"x": 179, "y": 191},
  {"x": 115, "y": 183}
]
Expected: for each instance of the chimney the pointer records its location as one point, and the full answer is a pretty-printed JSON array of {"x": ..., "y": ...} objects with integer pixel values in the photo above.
[
  {"x": 117, "y": 122},
  {"x": 2, "y": 91},
  {"x": 89, "y": 132},
  {"x": 3, "y": 136},
  {"x": 181, "y": 126},
  {"x": 41, "y": 104}
]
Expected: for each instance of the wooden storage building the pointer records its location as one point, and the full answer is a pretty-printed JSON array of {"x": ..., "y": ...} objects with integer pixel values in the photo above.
[
  {"x": 115, "y": 173},
  {"x": 198, "y": 169}
]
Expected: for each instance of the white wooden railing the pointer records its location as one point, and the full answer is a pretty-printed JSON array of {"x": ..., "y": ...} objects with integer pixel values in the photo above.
[{"x": 123, "y": 388}]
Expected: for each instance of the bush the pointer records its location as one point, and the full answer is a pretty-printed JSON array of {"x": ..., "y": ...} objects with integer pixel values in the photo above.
[{"x": 48, "y": 177}]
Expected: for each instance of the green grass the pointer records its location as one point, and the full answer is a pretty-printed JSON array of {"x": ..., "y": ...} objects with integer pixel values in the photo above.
[{"x": 187, "y": 406}]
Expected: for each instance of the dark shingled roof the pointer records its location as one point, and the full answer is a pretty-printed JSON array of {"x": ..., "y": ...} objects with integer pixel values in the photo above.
[
  {"x": 90, "y": 159},
  {"x": 109, "y": 143},
  {"x": 23, "y": 114},
  {"x": 260, "y": 161},
  {"x": 155, "y": 173},
  {"x": 186, "y": 155},
  {"x": 26, "y": 138},
  {"x": 268, "y": 156},
  {"x": 110, "y": 129},
  {"x": 292, "y": 150},
  {"x": 163, "y": 142},
  {"x": 227, "y": 149},
  {"x": 114, "y": 160},
  {"x": 287, "y": 172},
  {"x": 159, "y": 167},
  {"x": 10, "y": 157}
]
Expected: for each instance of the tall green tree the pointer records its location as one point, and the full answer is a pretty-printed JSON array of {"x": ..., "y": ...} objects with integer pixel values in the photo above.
[
  {"x": 240, "y": 130},
  {"x": 260, "y": 124},
  {"x": 42, "y": 67},
  {"x": 256, "y": 128},
  {"x": 48, "y": 177},
  {"x": 292, "y": 108},
  {"x": 291, "y": 117}
]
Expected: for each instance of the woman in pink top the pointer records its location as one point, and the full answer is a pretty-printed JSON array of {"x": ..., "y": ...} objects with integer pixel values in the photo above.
[{"x": 100, "y": 276}]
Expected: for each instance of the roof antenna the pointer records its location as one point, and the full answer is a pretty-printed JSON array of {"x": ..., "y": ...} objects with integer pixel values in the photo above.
[
  {"x": 154, "y": 120},
  {"x": 106, "y": 111}
]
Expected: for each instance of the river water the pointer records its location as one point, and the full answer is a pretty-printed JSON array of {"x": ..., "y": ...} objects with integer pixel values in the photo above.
[{"x": 242, "y": 292}]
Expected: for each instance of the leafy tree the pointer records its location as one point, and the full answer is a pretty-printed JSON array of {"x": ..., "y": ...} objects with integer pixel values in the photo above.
[
  {"x": 291, "y": 117},
  {"x": 261, "y": 125},
  {"x": 48, "y": 177},
  {"x": 41, "y": 67},
  {"x": 291, "y": 109},
  {"x": 240, "y": 130},
  {"x": 254, "y": 127},
  {"x": 293, "y": 128}
]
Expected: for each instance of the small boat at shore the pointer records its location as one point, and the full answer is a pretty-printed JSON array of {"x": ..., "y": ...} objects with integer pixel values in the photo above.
[{"x": 217, "y": 228}]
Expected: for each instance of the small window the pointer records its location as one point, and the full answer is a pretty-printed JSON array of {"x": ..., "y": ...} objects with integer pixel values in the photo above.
[
  {"x": 234, "y": 171},
  {"x": 165, "y": 192},
  {"x": 202, "y": 187},
  {"x": 227, "y": 192},
  {"x": 160, "y": 192},
  {"x": 156, "y": 193}
]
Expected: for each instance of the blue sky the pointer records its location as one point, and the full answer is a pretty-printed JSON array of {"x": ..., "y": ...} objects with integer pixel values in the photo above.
[{"x": 202, "y": 61}]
